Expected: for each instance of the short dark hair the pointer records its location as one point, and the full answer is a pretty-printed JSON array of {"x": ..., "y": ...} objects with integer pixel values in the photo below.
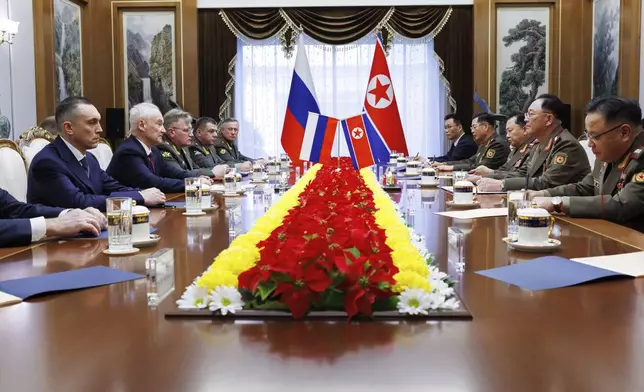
[
  {"x": 452, "y": 116},
  {"x": 485, "y": 117},
  {"x": 49, "y": 124},
  {"x": 519, "y": 118},
  {"x": 67, "y": 107},
  {"x": 617, "y": 109},
  {"x": 203, "y": 121},
  {"x": 553, "y": 104}
]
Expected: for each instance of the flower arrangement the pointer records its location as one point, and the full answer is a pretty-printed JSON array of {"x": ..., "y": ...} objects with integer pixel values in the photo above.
[{"x": 334, "y": 241}]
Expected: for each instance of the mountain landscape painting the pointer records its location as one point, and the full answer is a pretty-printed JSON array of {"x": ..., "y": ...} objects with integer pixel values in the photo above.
[
  {"x": 605, "y": 47},
  {"x": 67, "y": 49},
  {"x": 149, "y": 44}
]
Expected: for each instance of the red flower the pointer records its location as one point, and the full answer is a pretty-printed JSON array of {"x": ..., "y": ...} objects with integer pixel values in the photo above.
[{"x": 305, "y": 285}]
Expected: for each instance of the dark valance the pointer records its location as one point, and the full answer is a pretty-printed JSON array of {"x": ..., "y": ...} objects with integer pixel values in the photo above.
[{"x": 219, "y": 30}]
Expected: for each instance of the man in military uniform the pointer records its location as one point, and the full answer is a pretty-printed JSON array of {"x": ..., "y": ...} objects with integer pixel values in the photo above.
[
  {"x": 615, "y": 189},
  {"x": 558, "y": 159},
  {"x": 226, "y": 146},
  {"x": 176, "y": 140},
  {"x": 493, "y": 149},
  {"x": 202, "y": 153},
  {"x": 521, "y": 145}
]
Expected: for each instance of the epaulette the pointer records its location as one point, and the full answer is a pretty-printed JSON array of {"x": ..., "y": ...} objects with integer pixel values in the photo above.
[
  {"x": 166, "y": 154},
  {"x": 637, "y": 154}
]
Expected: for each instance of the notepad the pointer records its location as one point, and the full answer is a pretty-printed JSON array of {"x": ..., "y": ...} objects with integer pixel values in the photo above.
[
  {"x": 17, "y": 290},
  {"x": 475, "y": 213},
  {"x": 552, "y": 272},
  {"x": 102, "y": 236}
]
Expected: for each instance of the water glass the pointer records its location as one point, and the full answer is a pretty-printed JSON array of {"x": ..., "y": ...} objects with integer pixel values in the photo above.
[
  {"x": 460, "y": 176},
  {"x": 206, "y": 196},
  {"x": 193, "y": 195},
  {"x": 297, "y": 173},
  {"x": 305, "y": 166},
  {"x": 119, "y": 223},
  {"x": 516, "y": 200}
]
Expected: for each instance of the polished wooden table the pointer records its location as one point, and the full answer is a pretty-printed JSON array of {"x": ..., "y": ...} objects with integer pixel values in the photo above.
[{"x": 583, "y": 338}]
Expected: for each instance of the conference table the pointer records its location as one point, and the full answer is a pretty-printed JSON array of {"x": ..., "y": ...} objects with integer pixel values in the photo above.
[{"x": 588, "y": 337}]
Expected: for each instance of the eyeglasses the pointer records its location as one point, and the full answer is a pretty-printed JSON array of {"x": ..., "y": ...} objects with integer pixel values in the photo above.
[
  {"x": 596, "y": 137},
  {"x": 528, "y": 116}
]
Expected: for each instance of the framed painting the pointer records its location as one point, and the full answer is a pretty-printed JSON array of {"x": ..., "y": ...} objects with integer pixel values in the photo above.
[
  {"x": 68, "y": 59},
  {"x": 147, "y": 61},
  {"x": 605, "y": 63}
]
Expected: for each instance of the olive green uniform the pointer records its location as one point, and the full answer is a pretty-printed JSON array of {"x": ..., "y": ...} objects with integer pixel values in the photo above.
[
  {"x": 517, "y": 161},
  {"x": 613, "y": 191},
  {"x": 204, "y": 156},
  {"x": 180, "y": 159},
  {"x": 557, "y": 160},
  {"x": 229, "y": 152},
  {"x": 491, "y": 154}
]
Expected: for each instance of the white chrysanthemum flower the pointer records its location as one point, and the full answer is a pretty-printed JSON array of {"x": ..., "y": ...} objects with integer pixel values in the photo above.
[
  {"x": 194, "y": 297},
  {"x": 414, "y": 301},
  {"x": 451, "y": 303},
  {"x": 226, "y": 299},
  {"x": 441, "y": 287}
]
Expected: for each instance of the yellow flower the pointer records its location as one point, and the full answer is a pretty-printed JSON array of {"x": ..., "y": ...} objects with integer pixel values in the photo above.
[
  {"x": 410, "y": 280},
  {"x": 217, "y": 277}
]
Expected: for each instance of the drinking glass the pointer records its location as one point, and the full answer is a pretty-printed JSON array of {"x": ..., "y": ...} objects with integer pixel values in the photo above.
[
  {"x": 119, "y": 223},
  {"x": 460, "y": 176},
  {"x": 516, "y": 201},
  {"x": 193, "y": 195},
  {"x": 206, "y": 195}
]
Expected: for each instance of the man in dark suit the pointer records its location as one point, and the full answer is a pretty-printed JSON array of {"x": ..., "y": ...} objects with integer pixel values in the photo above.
[
  {"x": 202, "y": 152},
  {"x": 22, "y": 223},
  {"x": 177, "y": 140},
  {"x": 64, "y": 174},
  {"x": 137, "y": 162},
  {"x": 463, "y": 146}
]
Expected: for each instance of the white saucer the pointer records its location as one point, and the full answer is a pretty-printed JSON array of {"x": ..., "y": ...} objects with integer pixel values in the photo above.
[
  {"x": 154, "y": 238},
  {"x": 434, "y": 185},
  {"x": 474, "y": 204},
  {"x": 211, "y": 208},
  {"x": 194, "y": 213},
  {"x": 125, "y": 252},
  {"x": 549, "y": 246}
]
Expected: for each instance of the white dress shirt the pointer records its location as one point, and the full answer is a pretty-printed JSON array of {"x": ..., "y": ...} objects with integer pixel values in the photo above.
[
  {"x": 39, "y": 227},
  {"x": 459, "y": 138},
  {"x": 147, "y": 149}
]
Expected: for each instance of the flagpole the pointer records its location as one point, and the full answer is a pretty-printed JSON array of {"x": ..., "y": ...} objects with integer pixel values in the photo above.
[{"x": 337, "y": 138}]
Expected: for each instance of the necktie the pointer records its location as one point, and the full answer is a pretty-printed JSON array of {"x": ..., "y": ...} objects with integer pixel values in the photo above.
[
  {"x": 151, "y": 161},
  {"x": 83, "y": 163}
]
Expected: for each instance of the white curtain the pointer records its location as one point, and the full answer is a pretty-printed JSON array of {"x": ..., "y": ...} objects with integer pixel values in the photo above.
[{"x": 340, "y": 74}]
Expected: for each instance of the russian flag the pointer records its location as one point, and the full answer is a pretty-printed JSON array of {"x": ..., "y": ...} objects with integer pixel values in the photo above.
[
  {"x": 382, "y": 108},
  {"x": 318, "y": 138},
  {"x": 301, "y": 101},
  {"x": 363, "y": 140}
]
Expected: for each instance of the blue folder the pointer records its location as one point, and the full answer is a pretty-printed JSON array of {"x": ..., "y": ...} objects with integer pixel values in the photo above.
[
  {"x": 64, "y": 281},
  {"x": 548, "y": 272},
  {"x": 103, "y": 235}
]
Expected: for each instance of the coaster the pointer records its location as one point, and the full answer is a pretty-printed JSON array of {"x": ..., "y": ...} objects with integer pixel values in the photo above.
[
  {"x": 474, "y": 204},
  {"x": 550, "y": 246},
  {"x": 154, "y": 238},
  {"x": 194, "y": 213},
  {"x": 125, "y": 252}
]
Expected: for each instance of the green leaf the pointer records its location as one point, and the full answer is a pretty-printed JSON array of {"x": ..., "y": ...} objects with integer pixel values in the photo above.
[
  {"x": 333, "y": 299},
  {"x": 385, "y": 304},
  {"x": 269, "y": 305},
  {"x": 354, "y": 251},
  {"x": 267, "y": 288},
  {"x": 383, "y": 286}
]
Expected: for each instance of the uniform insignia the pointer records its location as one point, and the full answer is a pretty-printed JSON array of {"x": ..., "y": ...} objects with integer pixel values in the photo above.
[
  {"x": 166, "y": 154},
  {"x": 549, "y": 146},
  {"x": 637, "y": 154},
  {"x": 639, "y": 177},
  {"x": 198, "y": 152},
  {"x": 560, "y": 159},
  {"x": 490, "y": 153},
  {"x": 518, "y": 164},
  {"x": 595, "y": 182},
  {"x": 222, "y": 151}
]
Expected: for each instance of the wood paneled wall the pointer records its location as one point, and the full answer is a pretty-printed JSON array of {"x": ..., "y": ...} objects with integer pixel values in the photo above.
[
  {"x": 570, "y": 50},
  {"x": 101, "y": 61}
]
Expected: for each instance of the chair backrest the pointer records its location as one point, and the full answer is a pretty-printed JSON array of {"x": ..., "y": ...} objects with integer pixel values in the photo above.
[
  {"x": 29, "y": 151},
  {"x": 13, "y": 176},
  {"x": 103, "y": 152},
  {"x": 589, "y": 152}
]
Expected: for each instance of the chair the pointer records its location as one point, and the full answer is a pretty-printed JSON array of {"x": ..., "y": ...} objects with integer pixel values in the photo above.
[
  {"x": 589, "y": 152},
  {"x": 34, "y": 140},
  {"x": 103, "y": 152},
  {"x": 13, "y": 176}
]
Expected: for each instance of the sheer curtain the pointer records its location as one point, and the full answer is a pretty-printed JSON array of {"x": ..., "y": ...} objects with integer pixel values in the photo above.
[{"x": 340, "y": 74}]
